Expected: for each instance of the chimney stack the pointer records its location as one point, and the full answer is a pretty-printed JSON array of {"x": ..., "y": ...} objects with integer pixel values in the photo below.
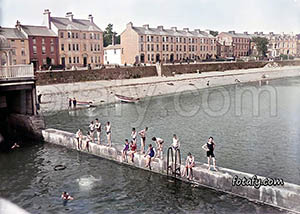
[
  {"x": 174, "y": 29},
  {"x": 186, "y": 29},
  {"x": 146, "y": 26},
  {"x": 91, "y": 18},
  {"x": 129, "y": 25},
  {"x": 232, "y": 32},
  {"x": 197, "y": 31},
  {"x": 70, "y": 16},
  {"x": 246, "y": 32},
  {"x": 47, "y": 18},
  {"x": 161, "y": 28},
  {"x": 18, "y": 25}
]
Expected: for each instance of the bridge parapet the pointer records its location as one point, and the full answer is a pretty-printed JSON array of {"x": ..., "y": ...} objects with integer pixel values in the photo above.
[{"x": 16, "y": 72}]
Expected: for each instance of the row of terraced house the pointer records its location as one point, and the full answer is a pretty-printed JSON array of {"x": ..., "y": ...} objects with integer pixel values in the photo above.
[{"x": 66, "y": 42}]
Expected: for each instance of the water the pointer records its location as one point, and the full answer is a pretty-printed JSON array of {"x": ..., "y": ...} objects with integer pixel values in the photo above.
[
  {"x": 28, "y": 179},
  {"x": 265, "y": 145},
  {"x": 263, "y": 142}
]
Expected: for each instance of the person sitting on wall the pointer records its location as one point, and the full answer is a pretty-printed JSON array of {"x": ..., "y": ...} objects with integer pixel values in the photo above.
[
  {"x": 133, "y": 149},
  {"x": 189, "y": 164},
  {"x": 88, "y": 140}
]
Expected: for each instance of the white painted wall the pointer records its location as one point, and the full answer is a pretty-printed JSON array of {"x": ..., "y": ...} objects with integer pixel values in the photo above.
[{"x": 113, "y": 56}]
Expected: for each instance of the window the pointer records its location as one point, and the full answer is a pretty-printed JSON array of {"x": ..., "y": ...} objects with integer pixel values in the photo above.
[
  {"x": 163, "y": 47},
  {"x": 43, "y": 41},
  {"x": 69, "y": 47},
  {"x": 61, "y": 34},
  {"x": 84, "y": 47},
  {"x": 148, "y": 57},
  {"x": 34, "y": 49},
  {"x": 148, "y": 38},
  {"x": 14, "y": 52},
  {"x": 91, "y": 47},
  {"x": 152, "y": 47},
  {"x": 171, "y": 47},
  {"x": 184, "y": 48},
  {"x": 167, "y": 47},
  {"x": 52, "y": 49},
  {"x": 98, "y": 47},
  {"x": 69, "y": 35},
  {"x": 91, "y": 36},
  {"x": 157, "y": 39},
  {"x": 148, "y": 47},
  {"x": 141, "y": 38},
  {"x": 157, "y": 47},
  {"x": 73, "y": 35},
  {"x": 167, "y": 39},
  {"x": 43, "y": 49},
  {"x": 22, "y": 40},
  {"x": 92, "y": 59},
  {"x": 62, "y": 47},
  {"x": 34, "y": 41},
  {"x": 163, "y": 39},
  {"x": 142, "y": 47},
  {"x": 76, "y": 35},
  {"x": 51, "y": 41},
  {"x": 78, "y": 60},
  {"x": 23, "y": 52},
  {"x": 74, "y": 59},
  {"x": 152, "y": 38},
  {"x": 95, "y": 36},
  {"x": 98, "y": 36},
  {"x": 74, "y": 47},
  {"x": 84, "y": 36},
  {"x": 77, "y": 47},
  {"x": 70, "y": 60}
]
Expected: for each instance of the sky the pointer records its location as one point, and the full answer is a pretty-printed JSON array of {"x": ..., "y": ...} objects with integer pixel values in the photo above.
[{"x": 221, "y": 15}]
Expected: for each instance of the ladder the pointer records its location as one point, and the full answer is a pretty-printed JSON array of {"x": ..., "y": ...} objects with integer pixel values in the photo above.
[{"x": 173, "y": 168}]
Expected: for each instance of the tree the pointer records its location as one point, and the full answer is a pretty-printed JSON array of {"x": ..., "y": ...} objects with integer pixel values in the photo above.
[
  {"x": 214, "y": 33},
  {"x": 108, "y": 34},
  {"x": 261, "y": 45}
]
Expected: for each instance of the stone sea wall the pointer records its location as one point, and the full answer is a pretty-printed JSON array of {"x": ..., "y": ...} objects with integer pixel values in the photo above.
[
  {"x": 56, "y": 77},
  {"x": 285, "y": 197}
]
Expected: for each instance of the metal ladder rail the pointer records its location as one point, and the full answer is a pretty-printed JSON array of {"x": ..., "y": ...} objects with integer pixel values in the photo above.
[
  {"x": 170, "y": 150},
  {"x": 177, "y": 169}
]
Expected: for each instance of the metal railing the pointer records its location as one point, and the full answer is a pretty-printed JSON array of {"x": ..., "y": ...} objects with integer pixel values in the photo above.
[{"x": 16, "y": 71}]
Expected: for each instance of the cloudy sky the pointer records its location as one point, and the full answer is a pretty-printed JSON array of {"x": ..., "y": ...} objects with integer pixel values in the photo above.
[{"x": 222, "y": 15}]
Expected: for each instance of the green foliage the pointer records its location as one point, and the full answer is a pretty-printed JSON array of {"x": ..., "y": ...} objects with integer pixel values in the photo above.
[
  {"x": 286, "y": 57},
  {"x": 108, "y": 34},
  {"x": 261, "y": 45},
  {"x": 214, "y": 33}
]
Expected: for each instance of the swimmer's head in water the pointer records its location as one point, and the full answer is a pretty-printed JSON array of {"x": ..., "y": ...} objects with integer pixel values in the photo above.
[
  {"x": 146, "y": 128},
  {"x": 154, "y": 138},
  {"x": 133, "y": 129}
]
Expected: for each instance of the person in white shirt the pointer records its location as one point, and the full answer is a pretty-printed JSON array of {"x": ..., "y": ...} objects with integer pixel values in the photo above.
[
  {"x": 98, "y": 130},
  {"x": 134, "y": 135},
  {"x": 159, "y": 145},
  {"x": 78, "y": 136},
  {"x": 189, "y": 164},
  {"x": 92, "y": 130},
  {"x": 176, "y": 143},
  {"x": 142, "y": 133},
  {"x": 108, "y": 133}
]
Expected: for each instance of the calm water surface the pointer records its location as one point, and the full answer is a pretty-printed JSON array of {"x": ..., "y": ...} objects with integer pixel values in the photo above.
[{"x": 265, "y": 144}]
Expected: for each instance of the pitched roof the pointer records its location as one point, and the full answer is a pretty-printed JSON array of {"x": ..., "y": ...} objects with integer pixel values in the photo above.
[
  {"x": 111, "y": 47},
  {"x": 170, "y": 32},
  {"x": 237, "y": 35},
  {"x": 77, "y": 24},
  {"x": 37, "y": 30},
  {"x": 12, "y": 33}
]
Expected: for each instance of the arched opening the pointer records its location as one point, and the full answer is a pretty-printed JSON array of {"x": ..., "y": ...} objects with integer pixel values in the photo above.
[
  {"x": 157, "y": 58},
  {"x": 171, "y": 57},
  {"x": 142, "y": 58}
]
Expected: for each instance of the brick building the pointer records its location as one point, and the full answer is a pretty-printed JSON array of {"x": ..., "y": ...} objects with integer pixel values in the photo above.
[
  {"x": 149, "y": 45},
  {"x": 19, "y": 44},
  {"x": 80, "y": 40},
  {"x": 43, "y": 45},
  {"x": 239, "y": 42}
]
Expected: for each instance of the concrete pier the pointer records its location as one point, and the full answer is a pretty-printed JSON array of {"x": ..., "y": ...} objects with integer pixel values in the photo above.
[{"x": 285, "y": 197}]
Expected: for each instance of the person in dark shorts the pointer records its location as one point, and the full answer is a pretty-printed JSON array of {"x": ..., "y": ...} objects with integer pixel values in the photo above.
[
  {"x": 74, "y": 102},
  {"x": 70, "y": 102},
  {"x": 142, "y": 133},
  {"x": 209, "y": 147}
]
